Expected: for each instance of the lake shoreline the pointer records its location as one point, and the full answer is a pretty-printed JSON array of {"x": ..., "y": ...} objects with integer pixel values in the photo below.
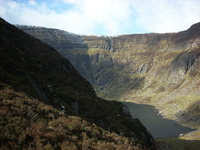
[{"x": 155, "y": 122}]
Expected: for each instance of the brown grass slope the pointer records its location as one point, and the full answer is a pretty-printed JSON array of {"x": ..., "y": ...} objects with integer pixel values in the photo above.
[{"x": 26, "y": 123}]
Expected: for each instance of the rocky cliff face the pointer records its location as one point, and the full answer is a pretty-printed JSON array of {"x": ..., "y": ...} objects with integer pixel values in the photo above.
[{"x": 158, "y": 69}]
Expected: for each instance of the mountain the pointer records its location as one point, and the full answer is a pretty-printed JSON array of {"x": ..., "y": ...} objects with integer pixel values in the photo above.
[
  {"x": 46, "y": 104},
  {"x": 157, "y": 69}
]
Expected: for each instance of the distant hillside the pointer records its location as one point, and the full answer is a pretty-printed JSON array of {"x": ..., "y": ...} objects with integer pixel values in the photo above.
[
  {"x": 46, "y": 104},
  {"x": 157, "y": 69}
]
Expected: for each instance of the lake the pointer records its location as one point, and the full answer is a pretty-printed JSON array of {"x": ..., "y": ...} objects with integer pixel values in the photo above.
[{"x": 155, "y": 123}]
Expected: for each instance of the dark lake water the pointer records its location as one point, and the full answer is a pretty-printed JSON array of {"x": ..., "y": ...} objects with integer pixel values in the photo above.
[{"x": 155, "y": 123}]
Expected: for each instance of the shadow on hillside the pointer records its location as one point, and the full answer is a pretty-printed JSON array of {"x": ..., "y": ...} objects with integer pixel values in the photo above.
[
  {"x": 155, "y": 123},
  {"x": 110, "y": 79},
  {"x": 176, "y": 143}
]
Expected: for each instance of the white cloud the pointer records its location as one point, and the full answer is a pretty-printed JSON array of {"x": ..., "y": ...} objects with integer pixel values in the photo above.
[
  {"x": 32, "y": 2},
  {"x": 108, "y": 17},
  {"x": 167, "y": 15},
  {"x": 85, "y": 17}
]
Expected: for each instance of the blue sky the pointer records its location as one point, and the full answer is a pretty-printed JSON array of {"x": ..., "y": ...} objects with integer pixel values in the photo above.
[{"x": 104, "y": 17}]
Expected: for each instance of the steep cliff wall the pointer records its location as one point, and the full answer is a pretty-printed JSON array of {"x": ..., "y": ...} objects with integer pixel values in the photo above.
[{"x": 158, "y": 69}]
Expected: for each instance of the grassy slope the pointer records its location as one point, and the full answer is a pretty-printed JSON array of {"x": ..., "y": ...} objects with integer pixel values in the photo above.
[{"x": 26, "y": 123}]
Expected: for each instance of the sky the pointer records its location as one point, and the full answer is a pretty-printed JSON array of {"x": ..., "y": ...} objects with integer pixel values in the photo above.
[{"x": 104, "y": 17}]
